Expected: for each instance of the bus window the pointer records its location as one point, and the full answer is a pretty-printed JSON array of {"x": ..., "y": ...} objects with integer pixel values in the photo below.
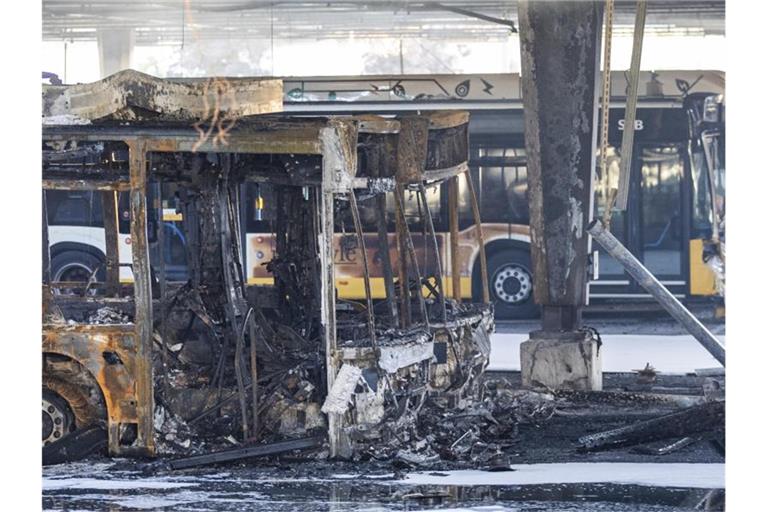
[
  {"x": 702, "y": 211},
  {"x": 717, "y": 147},
  {"x": 503, "y": 186},
  {"x": 661, "y": 199},
  {"x": 466, "y": 218},
  {"x": 70, "y": 208}
]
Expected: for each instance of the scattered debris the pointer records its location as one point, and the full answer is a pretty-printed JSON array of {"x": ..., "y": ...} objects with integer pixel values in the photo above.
[
  {"x": 706, "y": 418},
  {"x": 76, "y": 445},
  {"x": 647, "y": 375},
  {"x": 247, "y": 453},
  {"x": 107, "y": 315},
  {"x": 340, "y": 396}
]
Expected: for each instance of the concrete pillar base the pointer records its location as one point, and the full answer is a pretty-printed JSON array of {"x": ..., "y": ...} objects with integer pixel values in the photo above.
[{"x": 561, "y": 361}]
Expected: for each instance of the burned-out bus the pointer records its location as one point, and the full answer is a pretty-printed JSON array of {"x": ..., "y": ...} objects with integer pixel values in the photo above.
[{"x": 145, "y": 366}]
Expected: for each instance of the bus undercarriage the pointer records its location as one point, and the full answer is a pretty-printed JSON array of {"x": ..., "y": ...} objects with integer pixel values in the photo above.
[{"x": 152, "y": 367}]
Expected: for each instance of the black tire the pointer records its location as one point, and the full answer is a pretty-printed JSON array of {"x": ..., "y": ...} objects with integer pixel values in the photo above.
[
  {"x": 510, "y": 282},
  {"x": 75, "y": 265}
]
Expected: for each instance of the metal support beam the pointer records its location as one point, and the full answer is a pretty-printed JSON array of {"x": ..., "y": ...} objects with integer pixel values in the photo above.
[
  {"x": 453, "y": 222},
  {"x": 111, "y": 241},
  {"x": 142, "y": 295},
  {"x": 560, "y": 49},
  {"x": 337, "y": 165},
  {"x": 402, "y": 261},
  {"x": 480, "y": 240}
]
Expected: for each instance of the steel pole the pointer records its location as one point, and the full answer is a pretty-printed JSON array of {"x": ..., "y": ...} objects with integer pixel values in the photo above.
[{"x": 652, "y": 285}]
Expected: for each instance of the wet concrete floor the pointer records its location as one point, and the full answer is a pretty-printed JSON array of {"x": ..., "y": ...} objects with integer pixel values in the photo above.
[{"x": 283, "y": 487}]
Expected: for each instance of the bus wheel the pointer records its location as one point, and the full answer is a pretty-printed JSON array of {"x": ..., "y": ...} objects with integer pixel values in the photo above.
[
  {"x": 73, "y": 266},
  {"x": 510, "y": 282},
  {"x": 72, "y": 397},
  {"x": 58, "y": 419}
]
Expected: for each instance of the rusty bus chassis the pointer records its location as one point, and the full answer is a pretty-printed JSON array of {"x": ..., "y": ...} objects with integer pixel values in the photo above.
[{"x": 287, "y": 361}]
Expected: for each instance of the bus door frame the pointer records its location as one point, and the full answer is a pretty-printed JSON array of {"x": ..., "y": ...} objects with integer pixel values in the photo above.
[{"x": 635, "y": 214}]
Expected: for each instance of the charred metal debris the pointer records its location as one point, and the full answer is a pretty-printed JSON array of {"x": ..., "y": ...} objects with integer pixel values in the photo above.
[{"x": 215, "y": 362}]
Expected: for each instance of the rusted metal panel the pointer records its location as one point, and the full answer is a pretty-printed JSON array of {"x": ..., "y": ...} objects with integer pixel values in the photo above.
[
  {"x": 173, "y": 99},
  {"x": 118, "y": 378},
  {"x": 560, "y": 49}
]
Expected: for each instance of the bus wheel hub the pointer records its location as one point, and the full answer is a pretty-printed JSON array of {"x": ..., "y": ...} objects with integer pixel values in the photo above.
[
  {"x": 512, "y": 284},
  {"x": 57, "y": 420}
]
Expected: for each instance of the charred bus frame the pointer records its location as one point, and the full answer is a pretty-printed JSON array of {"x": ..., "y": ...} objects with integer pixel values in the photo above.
[{"x": 368, "y": 155}]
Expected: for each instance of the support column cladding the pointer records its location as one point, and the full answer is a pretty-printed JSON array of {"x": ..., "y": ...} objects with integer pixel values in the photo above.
[
  {"x": 560, "y": 51},
  {"x": 115, "y": 50}
]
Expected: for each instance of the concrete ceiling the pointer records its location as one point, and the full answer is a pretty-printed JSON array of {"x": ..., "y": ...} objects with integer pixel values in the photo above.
[{"x": 173, "y": 21}]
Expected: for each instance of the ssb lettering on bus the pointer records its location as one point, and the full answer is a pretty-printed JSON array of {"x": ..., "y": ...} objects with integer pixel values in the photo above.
[{"x": 638, "y": 124}]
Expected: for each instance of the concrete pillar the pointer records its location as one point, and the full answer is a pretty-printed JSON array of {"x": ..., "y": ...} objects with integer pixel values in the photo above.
[
  {"x": 560, "y": 51},
  {"x": 115, "y": 50}
]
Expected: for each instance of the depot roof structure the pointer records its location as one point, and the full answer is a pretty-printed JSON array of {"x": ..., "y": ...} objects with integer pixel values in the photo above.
[{"x": 173, "y": 21}]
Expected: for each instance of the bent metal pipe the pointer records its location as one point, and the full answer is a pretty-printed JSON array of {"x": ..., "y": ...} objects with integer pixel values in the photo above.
[{"x": 647, "y": 280}]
